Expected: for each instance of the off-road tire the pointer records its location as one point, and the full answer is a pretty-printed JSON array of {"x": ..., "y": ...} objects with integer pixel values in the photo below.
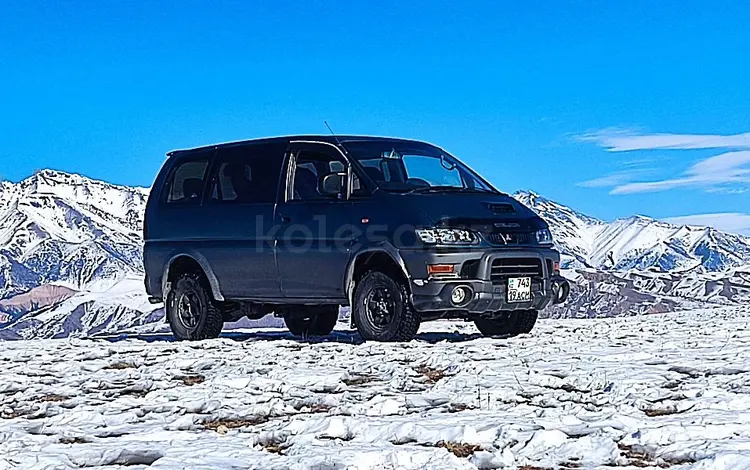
[
  {"x": 517, "y": 323},
  {"x": 210, "y": 321},
  {"x": 312, "y": 321},
  {"x": 404, "y": 322}
]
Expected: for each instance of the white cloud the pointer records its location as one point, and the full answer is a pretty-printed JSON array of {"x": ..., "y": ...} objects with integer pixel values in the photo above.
[
  {"x": 612, "y": 179},
  {"x": 727, "y": 221},
  {"x": 731, "y": 168},
  {"x": 624, "y": 140}
]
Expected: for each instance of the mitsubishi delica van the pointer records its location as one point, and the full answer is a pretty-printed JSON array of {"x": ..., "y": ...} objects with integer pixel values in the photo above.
[{"x": 399, "y": 230}]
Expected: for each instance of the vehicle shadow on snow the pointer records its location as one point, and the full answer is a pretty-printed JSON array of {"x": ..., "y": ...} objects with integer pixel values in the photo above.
[{"x": 347, "y": 337}]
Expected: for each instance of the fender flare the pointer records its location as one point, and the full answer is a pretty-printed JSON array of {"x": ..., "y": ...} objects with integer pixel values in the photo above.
[
  {"x": 201, "y": 260},
  {"x": 386, "y": 248}
]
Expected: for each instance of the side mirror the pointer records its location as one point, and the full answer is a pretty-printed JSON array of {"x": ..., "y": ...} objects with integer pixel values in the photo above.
[{"x": 332, "y": 184}]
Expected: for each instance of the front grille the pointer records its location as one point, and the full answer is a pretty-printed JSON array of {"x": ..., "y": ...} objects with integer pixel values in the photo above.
[
  {"x": 517, "y": 238},
  {"x": 503, "y": 268}
]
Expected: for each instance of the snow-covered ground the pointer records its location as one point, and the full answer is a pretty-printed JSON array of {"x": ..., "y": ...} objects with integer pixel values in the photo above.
[{"x": 654, "y": 391}]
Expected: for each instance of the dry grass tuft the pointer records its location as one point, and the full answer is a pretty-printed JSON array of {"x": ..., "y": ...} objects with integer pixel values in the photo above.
[
  {"x": 224, "y": 424},
  {"x": 664, "y": 411},
  {"x": 190, "y": 380},
  {"x": 320, "y": 408},
  {"x": 433, "y": 375},
  {"x": 120, "y": 366},
  {"x": 12, "y": 415},
  {"x": 636, "y": 457},
  {"x": 274, "y": 448},
  {"x": 358, "y": 380},
  {"x": 459, "y": 449},
  {"x": 458, "y": 407},
  {"x": 134, "y": 392},
  {"x": 52, "y": 398},
  {"x": 73, "y": 440}
]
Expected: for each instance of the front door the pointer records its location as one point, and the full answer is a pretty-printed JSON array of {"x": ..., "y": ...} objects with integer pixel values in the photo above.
[{"x": 314, "y": 239}]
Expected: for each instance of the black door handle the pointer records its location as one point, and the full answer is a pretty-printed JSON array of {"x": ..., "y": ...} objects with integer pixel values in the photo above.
[{"x": 285, "y": 219}]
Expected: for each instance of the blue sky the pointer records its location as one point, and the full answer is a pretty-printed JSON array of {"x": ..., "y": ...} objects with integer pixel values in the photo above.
[{"x": 593, "y": 105}]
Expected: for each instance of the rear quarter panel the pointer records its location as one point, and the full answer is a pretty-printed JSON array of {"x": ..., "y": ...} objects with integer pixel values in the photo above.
[{"x": 156, "y": 250}]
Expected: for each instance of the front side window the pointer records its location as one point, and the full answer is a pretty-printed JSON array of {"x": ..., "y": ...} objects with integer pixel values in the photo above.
[
  {"x": 186, "y": 186},
  {"x": 318, "y": 175},
  {"x": 247, "y": 174},
  {"x": 401, "y": 166}
]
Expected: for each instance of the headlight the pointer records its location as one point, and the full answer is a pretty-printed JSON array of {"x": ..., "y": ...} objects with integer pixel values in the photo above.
[
  {"x": 447, "y": 236},
  {"x": 544, "y": 237}
]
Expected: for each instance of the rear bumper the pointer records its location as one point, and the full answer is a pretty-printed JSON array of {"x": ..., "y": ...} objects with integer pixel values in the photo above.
[{"x": 488, "y": 289}]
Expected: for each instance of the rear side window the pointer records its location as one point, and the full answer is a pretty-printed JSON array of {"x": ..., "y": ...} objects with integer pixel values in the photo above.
[
  {"x": 187, "y": 183},
  {"x": 247, "y": 174}
]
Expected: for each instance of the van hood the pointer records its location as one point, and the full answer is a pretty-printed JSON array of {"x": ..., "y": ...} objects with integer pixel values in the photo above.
[{"x": 485, "y": 212}]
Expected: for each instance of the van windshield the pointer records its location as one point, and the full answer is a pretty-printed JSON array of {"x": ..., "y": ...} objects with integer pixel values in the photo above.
[{"x": 400, "y": 166}]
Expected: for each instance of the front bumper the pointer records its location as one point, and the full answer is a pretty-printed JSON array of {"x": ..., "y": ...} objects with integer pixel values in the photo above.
[{"x": 488, "y": 289}]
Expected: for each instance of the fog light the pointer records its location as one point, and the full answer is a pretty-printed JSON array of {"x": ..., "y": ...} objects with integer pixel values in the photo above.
[{"x": 460, "y": 295}]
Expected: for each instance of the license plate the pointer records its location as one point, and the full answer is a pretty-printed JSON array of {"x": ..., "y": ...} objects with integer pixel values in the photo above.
[{"x": 519, "y": 289}]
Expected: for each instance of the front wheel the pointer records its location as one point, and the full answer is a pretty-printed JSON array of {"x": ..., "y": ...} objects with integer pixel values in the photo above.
[
  {"x": 382, "y": 311},
  {"x": 312, "y": 321},
  {"x": 515, "y": 323},
  {"x": 191, "y": 312}
]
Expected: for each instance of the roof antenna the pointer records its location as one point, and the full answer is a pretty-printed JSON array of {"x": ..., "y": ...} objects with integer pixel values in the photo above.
[
  {"x": 332, "y": 133},
  {"x": 338, "y": 142}
]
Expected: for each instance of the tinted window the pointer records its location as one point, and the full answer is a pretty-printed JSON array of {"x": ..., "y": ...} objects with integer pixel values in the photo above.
[
  {"x": 187, "y": 182},
  {"x": 247, "y": 174},
  {"x": 432, "y": 170},
  {"x": 358, "y": 189},
  {"x": 311, "y": 167},
  {"x": 403, "y": 166}
]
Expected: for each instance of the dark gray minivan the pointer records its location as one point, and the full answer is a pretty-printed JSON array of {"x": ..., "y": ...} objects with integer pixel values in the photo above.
[{"x": 400, "y": 230}]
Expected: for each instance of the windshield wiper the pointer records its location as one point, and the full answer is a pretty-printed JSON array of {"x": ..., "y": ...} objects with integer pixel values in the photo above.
[{"x": 457, "y": 189}]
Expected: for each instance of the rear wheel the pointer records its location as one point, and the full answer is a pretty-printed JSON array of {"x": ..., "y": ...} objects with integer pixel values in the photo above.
[
  {"x": 312, "y": 321},
  {"x": 516, "y": 323},
  {"x": 382, "y": 311},
  {"x": 191, "y": 312}
]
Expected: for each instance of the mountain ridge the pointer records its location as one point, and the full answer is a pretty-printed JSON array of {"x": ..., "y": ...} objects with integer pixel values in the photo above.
[
  {"x": 68, "y": 230},
  {"x": 71, "y": 260},
  {"x": 637, "y": 242}
]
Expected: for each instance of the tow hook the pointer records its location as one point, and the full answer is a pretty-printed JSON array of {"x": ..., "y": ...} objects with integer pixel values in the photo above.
[{"x": 560, "y": 291}]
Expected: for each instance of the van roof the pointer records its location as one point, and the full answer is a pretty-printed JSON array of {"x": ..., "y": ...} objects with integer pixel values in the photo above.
[{"x": 289, "y": 138}]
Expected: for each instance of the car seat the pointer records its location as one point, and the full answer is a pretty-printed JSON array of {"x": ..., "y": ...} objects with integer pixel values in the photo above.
[
  {"x": 305, "y": 184},
  {"x": 192, "y": 188},
  {"x": 241, "y": 184}
]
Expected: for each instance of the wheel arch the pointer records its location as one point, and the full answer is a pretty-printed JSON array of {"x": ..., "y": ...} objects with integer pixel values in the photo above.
[
  {"x": 180, "y": 262},
  {"x": 377, "y": 256}
]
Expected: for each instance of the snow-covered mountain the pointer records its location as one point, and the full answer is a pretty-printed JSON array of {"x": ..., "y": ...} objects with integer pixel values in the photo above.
[
  {"x": 67, "y": 231},
  {"x": 71, "y": 254},
  {"x": 638, "y": 242}
]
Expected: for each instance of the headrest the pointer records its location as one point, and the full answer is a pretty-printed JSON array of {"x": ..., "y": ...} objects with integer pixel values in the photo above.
[
  {"x": 192, "y": 188},
  {"x": 234, "y": 170},
  {"x": 374, "y": 173},
  {"x": 306, "y": 175}
]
